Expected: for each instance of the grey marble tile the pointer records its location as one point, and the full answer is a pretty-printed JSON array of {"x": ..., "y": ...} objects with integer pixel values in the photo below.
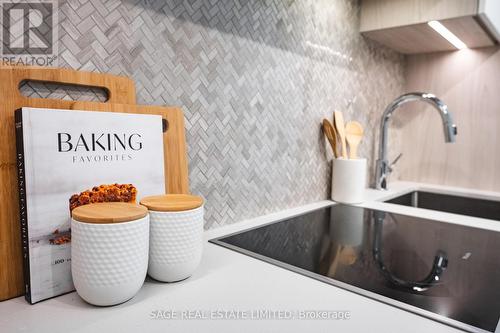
[{"x": 254, "y": 77}]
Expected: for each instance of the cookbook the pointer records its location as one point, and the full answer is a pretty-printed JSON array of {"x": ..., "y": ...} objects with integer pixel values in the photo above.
[{"x": 69, "y": 158}]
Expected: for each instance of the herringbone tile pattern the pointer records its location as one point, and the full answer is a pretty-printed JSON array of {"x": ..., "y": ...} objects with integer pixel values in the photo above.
[{"x": 254, "y": 78}]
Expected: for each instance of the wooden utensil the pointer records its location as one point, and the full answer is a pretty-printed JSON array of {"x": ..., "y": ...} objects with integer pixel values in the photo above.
[
  {"x": 340, "y": 127},
  {"x": 345, "y": 256},
  {"x": 331, "y": 135},
  {"x": 335, "y": 262},
  {"x": 348, "y": 256},
  {"x": 174, "y": 139},
  {"x": 120, "y": 90},
  {"x": 354, "y": 134}
]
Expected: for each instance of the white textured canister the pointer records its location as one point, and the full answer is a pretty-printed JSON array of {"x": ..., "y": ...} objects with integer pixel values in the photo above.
[
  {"x": 109, "y": 251},
  {"x": 176, "y": 236}
]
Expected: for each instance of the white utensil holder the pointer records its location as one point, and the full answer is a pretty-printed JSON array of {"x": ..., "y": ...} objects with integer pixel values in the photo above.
[
  {"x": 348, "y": 180},
  {"x": 347, "y": 225}
]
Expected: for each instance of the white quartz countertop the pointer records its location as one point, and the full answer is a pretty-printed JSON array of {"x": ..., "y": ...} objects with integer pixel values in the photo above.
[{"x": 229, "y": 284}]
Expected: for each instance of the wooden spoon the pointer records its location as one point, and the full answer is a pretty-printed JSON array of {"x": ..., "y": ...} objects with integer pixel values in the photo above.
[
  {"x": 343, "y": 255},
  {"x": 354, "y": 134},
  {"x": 335, "y": 262},
  {"x": 331, "y": 135},
  {"x": 348, "y": 256},
  {"x": 339, "y": 126}
]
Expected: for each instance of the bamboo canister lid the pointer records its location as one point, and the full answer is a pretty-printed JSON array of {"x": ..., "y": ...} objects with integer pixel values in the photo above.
[
  {"x": 172, "y": 202},
  {"x": 109, "y": 212}
]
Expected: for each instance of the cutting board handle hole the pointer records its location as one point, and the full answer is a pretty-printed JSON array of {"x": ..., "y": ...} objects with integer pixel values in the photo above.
[
  {"x": 68, "y": 92},
  {"x": 164, "y": 123}
]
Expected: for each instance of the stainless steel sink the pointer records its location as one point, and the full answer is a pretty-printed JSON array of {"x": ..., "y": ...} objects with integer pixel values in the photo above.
[{"x": 488, "y": 209}]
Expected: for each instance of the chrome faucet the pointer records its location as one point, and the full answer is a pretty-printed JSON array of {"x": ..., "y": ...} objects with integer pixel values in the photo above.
[{"x": 383, "y": 168}]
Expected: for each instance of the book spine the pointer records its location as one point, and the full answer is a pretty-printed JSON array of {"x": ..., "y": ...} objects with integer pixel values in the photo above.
[{"x": 23, "y": 215}]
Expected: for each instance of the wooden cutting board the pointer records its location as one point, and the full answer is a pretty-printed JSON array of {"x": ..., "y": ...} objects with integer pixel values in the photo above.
[
  {"x": 174, "y": 139},
  {"x": 119, "y": 89}
]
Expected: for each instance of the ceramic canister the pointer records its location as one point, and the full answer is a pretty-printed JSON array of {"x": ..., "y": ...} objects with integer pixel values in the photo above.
[
  {"x": 109, "y": 251},
  {"x": 176, "y": 235}
]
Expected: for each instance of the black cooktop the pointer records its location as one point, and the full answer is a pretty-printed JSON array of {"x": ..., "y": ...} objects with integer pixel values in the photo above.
[{"x": 443, "y": 271}]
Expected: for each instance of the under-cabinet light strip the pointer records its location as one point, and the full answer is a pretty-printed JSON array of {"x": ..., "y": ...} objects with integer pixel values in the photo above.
[{"x": 447, "y": 34}]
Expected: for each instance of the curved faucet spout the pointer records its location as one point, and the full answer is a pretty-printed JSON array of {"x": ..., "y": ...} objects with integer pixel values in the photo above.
[
  {"x": 433, "y": 278},
  {"x": 450, "y": 130}
]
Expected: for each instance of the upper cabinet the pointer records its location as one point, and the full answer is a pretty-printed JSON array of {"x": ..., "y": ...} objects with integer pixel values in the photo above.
[
  {"x": 489, "y": 14},
  {"x": 421, "y": 26}
]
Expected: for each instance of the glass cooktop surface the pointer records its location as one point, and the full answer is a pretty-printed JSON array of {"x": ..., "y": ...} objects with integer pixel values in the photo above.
[{"x": 447, "y": 272}]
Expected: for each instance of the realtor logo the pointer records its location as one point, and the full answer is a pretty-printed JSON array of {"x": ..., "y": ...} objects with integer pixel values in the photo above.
[{"x": 29, "y": 32}]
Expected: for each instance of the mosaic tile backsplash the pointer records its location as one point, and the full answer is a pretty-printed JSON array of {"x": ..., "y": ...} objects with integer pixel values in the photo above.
[{"x": 254, "y": 78}]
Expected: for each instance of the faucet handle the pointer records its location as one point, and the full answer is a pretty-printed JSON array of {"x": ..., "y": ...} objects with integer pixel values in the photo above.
[
  {"x": 387, "y": 170},
  {"x": 391, "y": 166}
]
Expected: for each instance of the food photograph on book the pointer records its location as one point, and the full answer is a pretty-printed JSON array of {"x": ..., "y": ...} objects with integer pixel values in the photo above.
[
  {"x": 70, "y": 159},
  {"x": 104, "y": 193}
]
